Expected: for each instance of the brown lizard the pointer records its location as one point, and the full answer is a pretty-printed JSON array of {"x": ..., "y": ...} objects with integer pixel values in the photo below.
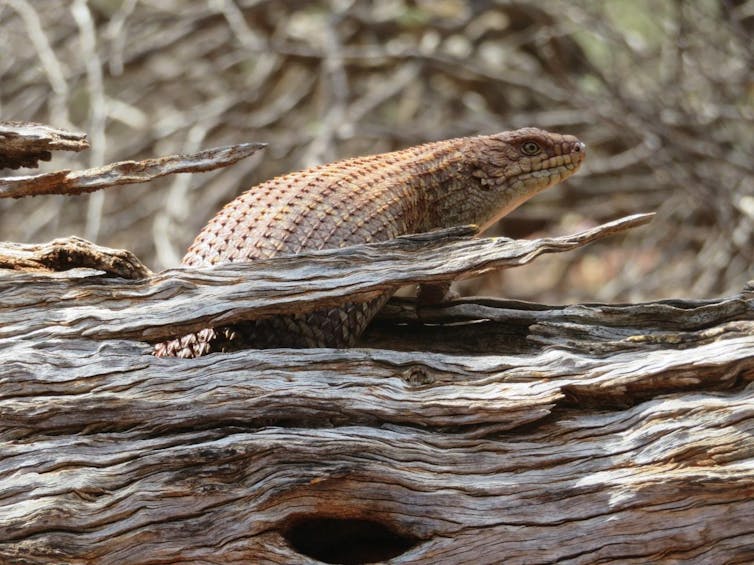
[{"x": 469, "y": 180}]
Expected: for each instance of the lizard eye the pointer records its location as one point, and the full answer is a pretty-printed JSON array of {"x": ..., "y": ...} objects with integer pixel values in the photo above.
[{"x": 531, "y": 148}]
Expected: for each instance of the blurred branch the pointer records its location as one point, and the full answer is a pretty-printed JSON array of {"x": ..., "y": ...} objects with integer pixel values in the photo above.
[{"x": 56, "y": 73}]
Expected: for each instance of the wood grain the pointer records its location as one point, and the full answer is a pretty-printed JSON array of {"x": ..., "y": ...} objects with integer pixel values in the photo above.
[{"x": 607, "y": 433}]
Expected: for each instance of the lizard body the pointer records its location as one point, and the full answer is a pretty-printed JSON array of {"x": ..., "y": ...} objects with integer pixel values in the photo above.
[{"x": 470, "y": 180}]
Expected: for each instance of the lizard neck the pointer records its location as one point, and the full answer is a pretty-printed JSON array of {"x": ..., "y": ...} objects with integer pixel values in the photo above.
[{"x": 450, "y": 193}]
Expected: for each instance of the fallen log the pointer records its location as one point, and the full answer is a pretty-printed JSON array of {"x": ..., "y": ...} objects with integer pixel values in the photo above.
[{"x": 577, "y": 433}]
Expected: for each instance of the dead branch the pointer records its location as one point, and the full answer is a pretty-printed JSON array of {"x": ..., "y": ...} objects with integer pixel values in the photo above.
[
  {"x": 24, "y": 144},
  {"x": 71, "y": 253},
  {"x": 124, "y": 172}
]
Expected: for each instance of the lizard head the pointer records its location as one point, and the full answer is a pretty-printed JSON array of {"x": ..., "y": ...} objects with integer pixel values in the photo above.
[{"x": 513, "y": 166}]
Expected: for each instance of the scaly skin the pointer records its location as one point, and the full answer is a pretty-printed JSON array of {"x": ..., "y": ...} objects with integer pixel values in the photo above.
[{"x": 470, "y": 180}]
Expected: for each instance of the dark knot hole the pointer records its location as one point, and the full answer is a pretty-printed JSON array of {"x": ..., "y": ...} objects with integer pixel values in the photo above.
[{"x": 346, "y": 541}]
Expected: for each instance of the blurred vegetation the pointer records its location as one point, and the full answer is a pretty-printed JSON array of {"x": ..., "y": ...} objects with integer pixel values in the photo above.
[{"x": 662, "y": 92}]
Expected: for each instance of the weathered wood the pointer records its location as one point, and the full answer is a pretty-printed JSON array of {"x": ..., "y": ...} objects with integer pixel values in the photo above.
[
  {"x": 181, "y": 301},
  {"x": 583, "y": 433},
  {"x": 24, "y": 144},
  {"x": 70, "y": 253},
  {"x": 493, "y": 324},
  {"x": 124, "y": 172},
  {"x": 138, "y": 460}
]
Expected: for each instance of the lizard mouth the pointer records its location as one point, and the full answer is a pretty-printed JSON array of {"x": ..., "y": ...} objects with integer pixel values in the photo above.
[{"x": 547, "y": 176}]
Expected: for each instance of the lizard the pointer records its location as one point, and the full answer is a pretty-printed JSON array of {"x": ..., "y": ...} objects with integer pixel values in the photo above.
[{"x": 466, "y": 180}]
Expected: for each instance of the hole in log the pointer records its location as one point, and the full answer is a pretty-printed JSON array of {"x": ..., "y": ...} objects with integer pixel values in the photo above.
[{"x": 346, "y": 541}]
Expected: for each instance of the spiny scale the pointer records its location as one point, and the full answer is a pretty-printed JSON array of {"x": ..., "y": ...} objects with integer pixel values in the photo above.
[{"x": 357, "y": 200}]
